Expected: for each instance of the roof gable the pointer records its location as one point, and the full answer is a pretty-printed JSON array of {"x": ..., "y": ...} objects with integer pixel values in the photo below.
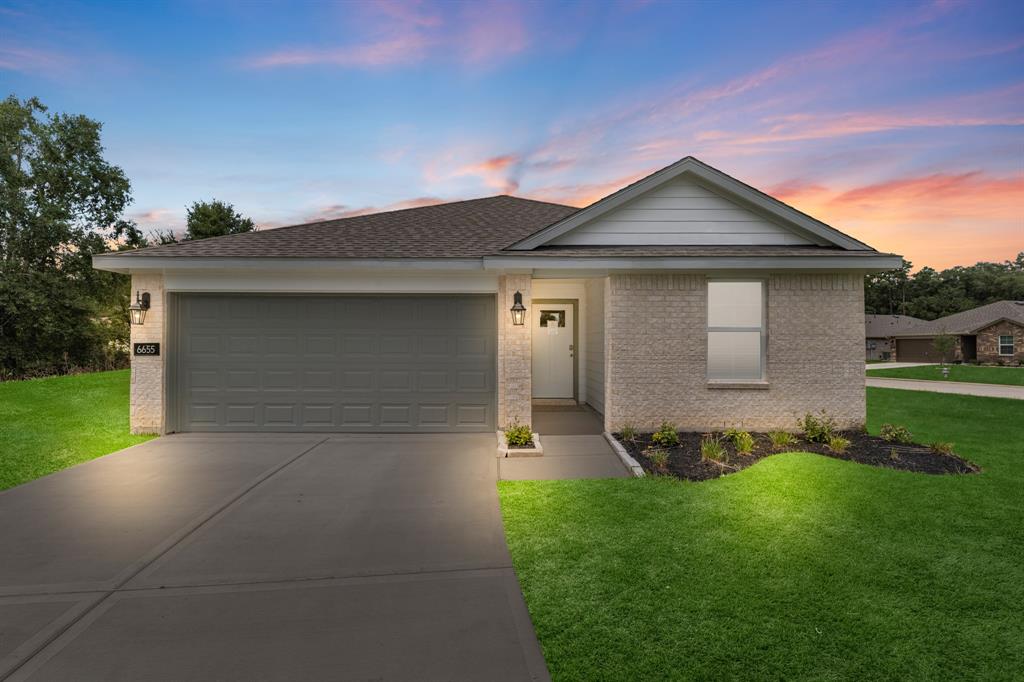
[{"x": 689, "y": 203}]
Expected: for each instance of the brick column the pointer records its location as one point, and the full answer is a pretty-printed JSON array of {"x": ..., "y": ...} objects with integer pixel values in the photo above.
[
  {"x": 147, "y": 383},
  {"x": 514, "y": 354}
]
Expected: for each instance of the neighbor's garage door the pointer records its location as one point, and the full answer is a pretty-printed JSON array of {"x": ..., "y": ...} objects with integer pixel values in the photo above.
[
  {"x": 334, "y": 363},
  {"x": 916, "y": 350}
]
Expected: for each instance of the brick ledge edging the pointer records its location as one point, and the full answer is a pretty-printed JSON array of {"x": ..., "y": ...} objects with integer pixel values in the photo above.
[
  {"x": 627, "y": 461},
  {"x": 505, "y": 451}
]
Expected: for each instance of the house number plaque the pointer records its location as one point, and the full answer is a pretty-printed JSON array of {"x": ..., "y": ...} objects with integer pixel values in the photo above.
[{"x": 145, "y": 349}]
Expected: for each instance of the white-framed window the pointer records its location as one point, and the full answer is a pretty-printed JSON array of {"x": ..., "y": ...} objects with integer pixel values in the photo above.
[
  {"x": 1006, "y": 344},
  {"x": 736, "y": 330}
]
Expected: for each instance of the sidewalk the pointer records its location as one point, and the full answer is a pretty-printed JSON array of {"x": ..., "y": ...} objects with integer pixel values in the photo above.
[{"x": 958, "y": 387}]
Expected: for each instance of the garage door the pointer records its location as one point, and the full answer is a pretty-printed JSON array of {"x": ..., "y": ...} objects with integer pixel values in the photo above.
[
  {"x": 918, "y": 350},
  {"x": 333, "y": 363}
]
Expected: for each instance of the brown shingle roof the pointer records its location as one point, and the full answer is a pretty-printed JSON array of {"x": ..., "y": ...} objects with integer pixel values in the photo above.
[
  {"x": 970, "y": 321},
  {"x": 460, "y": 229},
  {"x": 882, "y": 326}
]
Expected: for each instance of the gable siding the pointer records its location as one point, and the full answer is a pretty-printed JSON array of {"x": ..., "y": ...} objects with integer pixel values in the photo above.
[{"x": 680, "y": 212}]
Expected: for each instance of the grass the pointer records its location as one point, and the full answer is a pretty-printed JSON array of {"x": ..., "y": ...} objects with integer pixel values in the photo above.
[
  {"x": 49, "y": 424},
  {"x": 1011, "y": 376},
  {"x": 801, "y": 566}
]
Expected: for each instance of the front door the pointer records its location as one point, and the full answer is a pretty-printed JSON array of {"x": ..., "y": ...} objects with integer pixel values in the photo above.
[{"x": 553, "y": 350}]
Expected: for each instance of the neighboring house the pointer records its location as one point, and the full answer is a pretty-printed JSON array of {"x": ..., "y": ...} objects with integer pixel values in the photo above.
[
  {"x": 879, "y": 331},
  {"x": 991, "y": 334},
  {"x": 687, "y": 296}
]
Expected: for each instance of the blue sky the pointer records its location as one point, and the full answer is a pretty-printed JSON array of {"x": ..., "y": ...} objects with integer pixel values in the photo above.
[{"x": 902, "y": 123}]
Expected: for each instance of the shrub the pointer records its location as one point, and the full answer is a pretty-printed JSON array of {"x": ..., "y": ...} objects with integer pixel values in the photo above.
[
  {"x": 781, "y": 439},
  {"x": 665, "y": 436},
  {"x": 894, "y": 433},
  {"x": 894, "y": 455},
  {"x": 659, "y": 459},
  {"x": 518, "y": 435},
  {"x": 742, "y": 440},
  {"x": 712, "y": 448},
  {"x": 817, "y": 429},
  {"x": 838, "y": 444},
  {"x": 942, "y": 448},
  {"x": 628, "y": 432}
]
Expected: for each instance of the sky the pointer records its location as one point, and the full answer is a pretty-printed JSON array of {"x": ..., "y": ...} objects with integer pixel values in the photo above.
[{"x": 901, "y": 123}]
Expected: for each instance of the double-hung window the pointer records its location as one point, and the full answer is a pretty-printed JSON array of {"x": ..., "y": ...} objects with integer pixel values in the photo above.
[
  {"x": 736, "y": 331},
  {"x": 1006, "y": 344}
]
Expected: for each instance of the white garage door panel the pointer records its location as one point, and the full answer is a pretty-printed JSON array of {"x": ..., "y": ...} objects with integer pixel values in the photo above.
[{"x": 335, "y": 363}]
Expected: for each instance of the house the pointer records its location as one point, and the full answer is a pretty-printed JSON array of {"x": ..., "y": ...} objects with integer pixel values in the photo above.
[
  {"x": 989, "y": 334},
  {"x": 687, "y": 296},
  {"x": 879, "y": 331}
]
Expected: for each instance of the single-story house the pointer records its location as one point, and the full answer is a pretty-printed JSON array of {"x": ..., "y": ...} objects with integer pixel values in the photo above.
[
  {"x": 687, "y": 296},
  {"x": 989, "y": 334},
  {"x": 879, "y": 331}
]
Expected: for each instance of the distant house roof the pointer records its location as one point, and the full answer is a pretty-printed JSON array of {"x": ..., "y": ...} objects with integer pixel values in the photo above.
[
  {"x": 971, "y": 321},
  {"x": 882, "y": 326}
]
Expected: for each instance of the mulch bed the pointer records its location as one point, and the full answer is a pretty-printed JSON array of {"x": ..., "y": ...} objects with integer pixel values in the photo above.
[{"x": 684, "y": 460}]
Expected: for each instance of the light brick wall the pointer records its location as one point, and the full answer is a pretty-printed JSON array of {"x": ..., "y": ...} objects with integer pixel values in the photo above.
[
  {"x": 514, "y": 354},
  {"x": 656, "y": 346},
  {"x": 147, "y": 382}
]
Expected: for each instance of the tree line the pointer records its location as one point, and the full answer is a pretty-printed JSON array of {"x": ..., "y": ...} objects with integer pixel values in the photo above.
[
  {"x": 930, "y": 294},
  {"x": 61, "y": 202}
]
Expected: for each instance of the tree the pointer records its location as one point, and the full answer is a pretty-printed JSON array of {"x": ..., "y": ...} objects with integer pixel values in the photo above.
[
  {"x": 215, "y": 219},
  {"x": 944, "y": 343},
  {"x": 60, "y": 203}
]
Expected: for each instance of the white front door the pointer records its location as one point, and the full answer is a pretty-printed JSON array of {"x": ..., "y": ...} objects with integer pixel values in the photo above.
[{"x": 553, "y": 350}]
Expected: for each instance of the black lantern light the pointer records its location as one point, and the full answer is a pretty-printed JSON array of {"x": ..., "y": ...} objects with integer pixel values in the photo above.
[
  {"x": 137, "y": 310},
  {"x": 518, "y": 310}
]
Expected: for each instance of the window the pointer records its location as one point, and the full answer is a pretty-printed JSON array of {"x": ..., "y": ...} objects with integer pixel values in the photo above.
[
  {"x": 736, "y": 338},
  {"x": 1006, "y": 345}
]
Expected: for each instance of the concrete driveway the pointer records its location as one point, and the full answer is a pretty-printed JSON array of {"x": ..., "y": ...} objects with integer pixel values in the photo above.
[{"x": 265, "y": 558}]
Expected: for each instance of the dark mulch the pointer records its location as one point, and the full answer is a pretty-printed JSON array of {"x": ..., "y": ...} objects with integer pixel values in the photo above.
[{"x": 684, "y": 461}]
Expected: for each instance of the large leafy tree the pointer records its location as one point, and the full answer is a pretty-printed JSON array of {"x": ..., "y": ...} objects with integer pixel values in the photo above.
[
  {"x": 215, "y": 219},
  {"x": 931, "y": 293},
  {"x": 60, "y": 203}
]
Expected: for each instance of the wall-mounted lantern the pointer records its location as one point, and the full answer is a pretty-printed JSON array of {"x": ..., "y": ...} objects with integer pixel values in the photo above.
[
  {"x": 518, "y": 310},
  {"x": 137, "y": 310}
]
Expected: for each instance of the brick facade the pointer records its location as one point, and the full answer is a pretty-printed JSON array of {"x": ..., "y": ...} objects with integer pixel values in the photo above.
[
  {"x": 147, "y": 382},
  {"x": 988, "y": 343},
  {"x": 656, "y": 345},
  {"x": 514, "y": 354}
]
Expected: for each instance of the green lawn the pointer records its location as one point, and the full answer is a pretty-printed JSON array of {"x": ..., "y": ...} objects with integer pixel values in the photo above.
[
  {"x": 1013, "y": 376},
  {"x": 49, "y": 424},
  {"x": 799, "y": 567}
]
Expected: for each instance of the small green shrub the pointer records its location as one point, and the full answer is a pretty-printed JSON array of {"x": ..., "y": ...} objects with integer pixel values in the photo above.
[
  {"x": 817, "y": 429},
  {"x": 659, "y": 459},
  {"x": 781, "y": 439},
  {"x": 712, "y": 448},
  {"x": 894, "y": 433},
  {"x": 628, "y": 432},
  {"x": 665, "y": 436},
  {"x": 942, "y": 448},
  {"x": 894, "y": 455},
  {"x": 742, "y": 440},
  {"x": 518, "y": 435},
  {"x": 838, "y": 444}
]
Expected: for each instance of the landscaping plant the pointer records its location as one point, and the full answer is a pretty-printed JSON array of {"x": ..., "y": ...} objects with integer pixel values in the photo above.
[
  {"x": 666, "y": 436},
  {"x": 942, "y": 447},
  {"x": 837, "y": 444},
  {"x": 659, "y": 459},
  {"x": 781, "y": 439},
  {"x": 894, "y": 433},
  {"x": 628, "y": 432},
  {"x": 742, "y": 440},
  {"x": 817, "y": 429},
  {"x": 518, "y": 435},
  {"x": 711, "y": 448}
]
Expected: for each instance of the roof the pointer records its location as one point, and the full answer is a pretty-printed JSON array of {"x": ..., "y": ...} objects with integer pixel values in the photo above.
[
  {"x": 684, "y": 251},
  {"x": 881, "y": 326},
  {"x": 460, "y": 229},
  {"x": 971, "y": 321}
]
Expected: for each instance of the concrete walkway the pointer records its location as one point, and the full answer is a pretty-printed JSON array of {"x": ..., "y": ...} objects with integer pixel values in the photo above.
[
  {"x": 958, "y": 387},
  {"x": 267, "y": 557},
  {"x": 896, "y": 365}
]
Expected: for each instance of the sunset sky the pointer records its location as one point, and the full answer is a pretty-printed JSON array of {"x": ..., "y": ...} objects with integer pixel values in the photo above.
[{"x": 901, "y": 123}]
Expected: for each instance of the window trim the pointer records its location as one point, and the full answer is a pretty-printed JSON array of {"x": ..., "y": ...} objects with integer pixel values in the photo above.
[
  {"x": 762, "y": 380},
  {"x": 1012, "y": 344}
]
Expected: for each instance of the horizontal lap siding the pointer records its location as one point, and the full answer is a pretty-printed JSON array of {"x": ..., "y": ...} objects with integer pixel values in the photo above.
[{"x": 681, "y": 212}]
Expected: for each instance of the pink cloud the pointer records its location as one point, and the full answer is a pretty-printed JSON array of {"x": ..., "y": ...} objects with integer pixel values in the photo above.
[
  {"x": 339, "y": 211},
  {"x": 402, "y": 50},
  {"x": 32, "y": 61}
]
